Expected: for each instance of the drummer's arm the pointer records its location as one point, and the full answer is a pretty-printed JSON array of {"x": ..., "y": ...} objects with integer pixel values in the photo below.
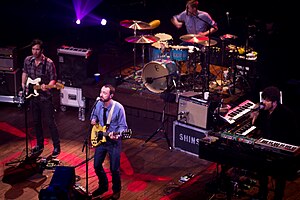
[
  {"x": 211, "y": 31},
  {"x": 176, "y": 23}
]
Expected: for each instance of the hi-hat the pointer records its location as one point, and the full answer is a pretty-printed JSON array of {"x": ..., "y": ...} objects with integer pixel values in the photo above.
[
  {"x": 163, "y": 36},
  {"x": 134, "y": 24},
  {"x": 193, "y": 38},
  {"x": 142, "y": 39},
  {"x": 208, "y": 43}
]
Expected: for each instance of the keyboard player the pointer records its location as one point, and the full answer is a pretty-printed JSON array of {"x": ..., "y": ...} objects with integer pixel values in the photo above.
[{"x": 276, "y": 122}]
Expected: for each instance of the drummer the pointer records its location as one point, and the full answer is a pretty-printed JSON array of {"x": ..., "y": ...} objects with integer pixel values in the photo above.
[{"x": 196, "y": 21}]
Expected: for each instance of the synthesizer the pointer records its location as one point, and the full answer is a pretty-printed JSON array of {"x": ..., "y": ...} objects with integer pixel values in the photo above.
[
  {"x": 275, "y": 146},
  {"x": 238, "y": 112},
  {"x": 74, "y": 51}
]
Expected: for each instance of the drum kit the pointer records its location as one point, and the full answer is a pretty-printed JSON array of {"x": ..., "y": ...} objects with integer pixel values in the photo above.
[{"x": 164, "y": 71}]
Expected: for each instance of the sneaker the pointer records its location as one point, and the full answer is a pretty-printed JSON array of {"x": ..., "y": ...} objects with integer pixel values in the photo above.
[
  {"x": 99, "y": 191},
  {"x": 37, "y": 150},
  {"x": 55, "y": 152},
  {"x": 116, "y": 195}
]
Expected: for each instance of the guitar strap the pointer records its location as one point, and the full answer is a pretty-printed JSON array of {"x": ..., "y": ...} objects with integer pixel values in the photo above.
[
  {"x": 110, "y": 114},
  {"x": 44, "y": 66}
]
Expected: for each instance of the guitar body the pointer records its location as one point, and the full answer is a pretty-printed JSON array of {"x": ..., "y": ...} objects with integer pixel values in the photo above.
[
  {"x": 32, "y": 87},
  {"x": 99, "y": 133}
]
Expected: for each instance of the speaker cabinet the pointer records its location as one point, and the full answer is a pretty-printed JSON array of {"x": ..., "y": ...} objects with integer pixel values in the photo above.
[
  {"x": 74, "y": 70},
  {"x": 194, "y": 111},
  {"x": 10, "y": 82},
  {"x": 8, "y": 59}
]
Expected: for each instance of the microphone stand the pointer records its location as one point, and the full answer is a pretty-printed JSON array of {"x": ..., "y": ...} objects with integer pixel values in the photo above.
[{"x": 87, "y": 159}]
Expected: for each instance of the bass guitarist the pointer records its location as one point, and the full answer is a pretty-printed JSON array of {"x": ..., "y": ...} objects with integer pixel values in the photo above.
[
  {"x": 38, "y": 67},
  {"x": 110, "y": 114}
]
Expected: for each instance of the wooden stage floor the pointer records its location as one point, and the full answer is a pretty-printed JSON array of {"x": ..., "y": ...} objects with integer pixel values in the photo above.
[{"x": 149, "y": 170}]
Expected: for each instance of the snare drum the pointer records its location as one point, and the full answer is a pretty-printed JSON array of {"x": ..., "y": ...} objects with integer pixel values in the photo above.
[
  {"x": 158, "y": 75},
  {"x": 179, "y": 53}
]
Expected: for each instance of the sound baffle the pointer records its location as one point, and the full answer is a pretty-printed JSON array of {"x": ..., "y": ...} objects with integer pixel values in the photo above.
[
  {"x": 61, "y": 185},
  {"x": 74, "y": 69}
]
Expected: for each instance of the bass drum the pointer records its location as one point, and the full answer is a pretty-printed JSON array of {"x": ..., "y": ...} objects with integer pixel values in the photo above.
[{"x": 158, "y": 75}]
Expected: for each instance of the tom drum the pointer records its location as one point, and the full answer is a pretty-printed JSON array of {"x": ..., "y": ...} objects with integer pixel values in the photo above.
[{"x": 158, "y": 75}]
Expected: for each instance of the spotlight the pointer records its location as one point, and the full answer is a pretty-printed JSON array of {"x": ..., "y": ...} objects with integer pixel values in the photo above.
[
  {"x": 103, "y": 22},
  {"x": 78, "y": 21}
]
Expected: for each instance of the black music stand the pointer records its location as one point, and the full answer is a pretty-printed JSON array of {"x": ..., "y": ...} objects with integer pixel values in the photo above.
[{"x": 162, "y": 127}]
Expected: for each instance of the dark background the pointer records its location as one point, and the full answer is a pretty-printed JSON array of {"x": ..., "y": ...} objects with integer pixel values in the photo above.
[{"x": 54, "y": 23}]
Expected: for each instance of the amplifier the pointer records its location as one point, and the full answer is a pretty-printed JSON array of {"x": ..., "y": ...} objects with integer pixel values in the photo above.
[
  {"x": 8, "y": 59},
  {"x": 10, "y": 82},
  {"x": 186, "y": 138},
  {"x": 194, "y": 111}
]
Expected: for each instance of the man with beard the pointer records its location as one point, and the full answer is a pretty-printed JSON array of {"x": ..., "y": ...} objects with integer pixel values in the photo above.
[
  {"x": 110, "y": 115},
  {"x": 276, "y": 122}
]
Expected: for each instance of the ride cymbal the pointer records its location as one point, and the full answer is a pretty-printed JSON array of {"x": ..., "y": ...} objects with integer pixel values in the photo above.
[
  {"x": 142, "y": 39},
  {"x": 193, "y": 38},
  {"x": 134, "y": 24}
]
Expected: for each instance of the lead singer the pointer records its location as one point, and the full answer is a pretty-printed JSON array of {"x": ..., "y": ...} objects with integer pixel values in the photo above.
[{"x": 105, "y": 108}]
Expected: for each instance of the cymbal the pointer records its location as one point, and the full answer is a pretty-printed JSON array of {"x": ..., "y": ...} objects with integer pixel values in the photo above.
[
  {"x": 163, "y": 36},
  {"x": 142, "y": 39},
  {"x": 134, "y": 24},
  {"x": 193, "y": 38},
  {"x": 208, "y": 43},
  {"x": 228, "y": 36}
]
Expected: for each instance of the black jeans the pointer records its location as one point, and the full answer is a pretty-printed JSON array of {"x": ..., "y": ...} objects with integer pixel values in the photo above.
[{"x": 44, "y": 108}]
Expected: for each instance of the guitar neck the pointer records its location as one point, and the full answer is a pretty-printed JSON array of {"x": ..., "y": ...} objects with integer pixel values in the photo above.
[{"x": 38, "y": 87}]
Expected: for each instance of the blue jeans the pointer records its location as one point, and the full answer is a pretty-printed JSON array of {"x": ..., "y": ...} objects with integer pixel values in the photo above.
[{"x": 114, "y": 151}]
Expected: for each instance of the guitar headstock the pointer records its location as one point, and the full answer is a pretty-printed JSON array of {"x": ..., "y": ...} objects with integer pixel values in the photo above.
[{"x": 127, "y": 134}]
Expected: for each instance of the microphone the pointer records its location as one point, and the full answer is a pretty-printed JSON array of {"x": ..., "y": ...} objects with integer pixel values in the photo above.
[
  {"x": 228, "y": 18},
  {"x": 149, "y": 80},
  {"x": 258, "y": 107}
]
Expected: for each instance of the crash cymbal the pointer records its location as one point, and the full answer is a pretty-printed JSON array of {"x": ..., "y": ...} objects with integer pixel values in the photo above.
[
  {"x": 134, "y": 24},
  {"x": 193, "y": 38},
  {"x": 228, "y": 36},
  {"x": 142, "y": 39},
  {"x": 208, "y": 43},
  {"x": 163, "y": 36}
]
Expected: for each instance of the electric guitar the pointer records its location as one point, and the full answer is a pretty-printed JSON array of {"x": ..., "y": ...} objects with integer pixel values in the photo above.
[
  {"x": 98, "y": 134},
  {"x": 33, "y": 86}
]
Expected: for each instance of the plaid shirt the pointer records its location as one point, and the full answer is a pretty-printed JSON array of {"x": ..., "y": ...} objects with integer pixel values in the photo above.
[{"x": 34, "y": 72}]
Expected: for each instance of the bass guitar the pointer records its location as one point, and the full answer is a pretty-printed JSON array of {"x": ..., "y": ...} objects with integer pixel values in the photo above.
[
  {"x": 32, "y": 87},
  {"x": 98, "y": 134}
]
